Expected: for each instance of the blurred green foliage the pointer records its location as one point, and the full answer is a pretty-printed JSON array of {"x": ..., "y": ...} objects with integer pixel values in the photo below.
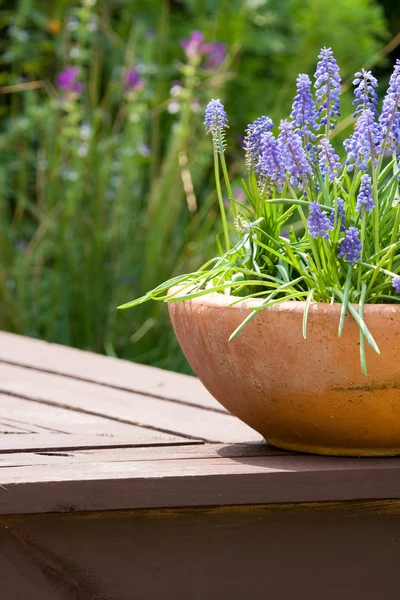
[{"x": 102, "y": 198}]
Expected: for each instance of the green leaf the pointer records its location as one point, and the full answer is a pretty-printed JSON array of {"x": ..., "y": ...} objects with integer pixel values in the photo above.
[
  {"x": 306, "y": 309},
  {"x": 345, "y": 300}
]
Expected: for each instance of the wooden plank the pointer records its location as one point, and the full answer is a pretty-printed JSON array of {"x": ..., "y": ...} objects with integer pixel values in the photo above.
[
  {"x": 195, "y": 482},
  {"x": 52, "y": 442},
  {"x": 34, "y": 417},
  {"x": 117, "y": 451},
  {"x": 170, "y": 417},
  {"x": 317, "y": 552},
  {"x": 105, "y": 370}
]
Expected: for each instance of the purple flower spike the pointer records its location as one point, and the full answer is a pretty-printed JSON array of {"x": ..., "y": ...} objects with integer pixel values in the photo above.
[
  {"x": 132, "y": 81},
  {"x": 365, "y": 198},
  {"x": 318, "y": 223},
  {"x": 365, "y": 94},
  {"x": 293, "y": 155},
  {"x": 194, "y": 45},
  {"x": 329, "y": 162},
  {"x": 341, "y": 215},
  {"x": 215, "y": 118},
  {"x": 252, "y": 141},
  {"x": 304, "y": 112},
  {"x": 396, "y": 284},
  {"x": 67, "y": 80},
  {"x": 390, "y": 116},
  {"x": 364, "y": 144},
  {"x": 270, "y": 163},
  {"x": 216, "y": 54},
  {"x": 350, "y": 246},
  {"x": 327, "y": 84}
]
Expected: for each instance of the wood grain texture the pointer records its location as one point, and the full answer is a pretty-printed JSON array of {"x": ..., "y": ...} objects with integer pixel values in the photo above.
[
  {"x": 61, "y": 487},
  {"x": 119, "y": 450},
  {"x": 320, "y": 552},
  {"x": 24, "y": 416},
  {"x": 169, "y": 417},
  {"x": 111, "y": 372}
]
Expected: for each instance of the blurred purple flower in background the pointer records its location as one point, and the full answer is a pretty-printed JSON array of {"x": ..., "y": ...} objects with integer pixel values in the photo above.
[
  {"x": 216, "y": 54},
  {"x": 132, "y": 81},
  {"x": 67, "y": 80},
  {"x": 195, "y": 47}
]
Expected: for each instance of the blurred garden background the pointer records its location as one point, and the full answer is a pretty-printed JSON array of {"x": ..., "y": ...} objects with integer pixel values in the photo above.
[{"x": 106, "y": 181}]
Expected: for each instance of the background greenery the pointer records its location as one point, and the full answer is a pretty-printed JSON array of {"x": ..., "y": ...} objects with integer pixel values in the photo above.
[{"x": 103, "y": 199}]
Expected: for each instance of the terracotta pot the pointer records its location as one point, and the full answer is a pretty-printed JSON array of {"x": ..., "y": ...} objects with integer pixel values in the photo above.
[{"x": 303, "y": 395}]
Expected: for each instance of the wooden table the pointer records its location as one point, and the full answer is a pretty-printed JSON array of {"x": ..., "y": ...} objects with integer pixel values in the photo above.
[{"x": 124, "y": 482}]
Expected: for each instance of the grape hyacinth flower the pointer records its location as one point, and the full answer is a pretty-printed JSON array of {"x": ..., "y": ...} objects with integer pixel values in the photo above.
[
  {"x": 327, "y": 84},
  {"x": 329, "y": 162},
  {"x": 365, "y": 94},
  {"x": 350, "y": 246},
  {"x": 67, "y": 80},
  {"x": 318, "y": 223},
  {"x": 341, "y": 215},
  {"x": 389, "y": 120},
  {"x": 215, "y": 121},
  {"x": 252, "y": 141},
  {"x": 396, "y": 284},
  {"x": 365, "y": 198},
  {"x": 132, "y": 81},
  {"x": 304, "y": 111},
  {"x": 270, "y": 163},
  {"x": 293, "y": 155},
  {"x": 364, "y": 144}
]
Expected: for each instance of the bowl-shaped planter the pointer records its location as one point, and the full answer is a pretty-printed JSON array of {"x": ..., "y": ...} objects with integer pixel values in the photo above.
[{"x": 306, "y": 395}]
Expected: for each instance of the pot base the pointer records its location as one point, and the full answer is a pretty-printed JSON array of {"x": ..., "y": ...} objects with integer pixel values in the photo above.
[{"x": 327, "y": 451}]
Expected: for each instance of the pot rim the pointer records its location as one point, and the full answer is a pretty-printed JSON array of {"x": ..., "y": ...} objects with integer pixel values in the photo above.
[{"x": 216, "y": 299}]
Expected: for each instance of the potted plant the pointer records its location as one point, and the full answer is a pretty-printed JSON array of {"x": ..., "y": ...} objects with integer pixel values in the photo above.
[{"x": 295, "y": 325}]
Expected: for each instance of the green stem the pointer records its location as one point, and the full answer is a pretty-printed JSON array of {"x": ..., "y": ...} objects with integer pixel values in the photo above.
[
  {"x": 227, "y": 182},
  {"x": 375, "y": 209},
  {"x": 363, "y": 226},
  {"x": 221, "y": 201}
]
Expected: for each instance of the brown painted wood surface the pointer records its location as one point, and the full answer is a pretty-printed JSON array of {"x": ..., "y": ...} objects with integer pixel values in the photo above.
[
  {"x": 121, "y": 482},
  {"x": 306, "y": 552}
]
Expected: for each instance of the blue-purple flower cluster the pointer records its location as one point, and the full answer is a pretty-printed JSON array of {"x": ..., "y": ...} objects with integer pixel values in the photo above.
[
  {"x": 364, "y": 92},
  {"x": 318, "y": 223},
  {"x": 215, "y": 119},
  {"x": 329, "y": 162},
  {"x": 350, "y": 246},
  {"x": 327, "y": 84},
  {"x": 301, "y": 157},
  {"x": 304, "y": 111},
  {"x": 365, "y": 199},
  {"x": 252, "y": 141},
  {"x": 364, "y": 146}
]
